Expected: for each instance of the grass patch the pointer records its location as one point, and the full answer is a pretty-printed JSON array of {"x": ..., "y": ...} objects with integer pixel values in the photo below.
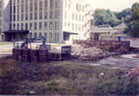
[
  {"x": 5, "y": 43},
  {"x": 65, "y": 78}
]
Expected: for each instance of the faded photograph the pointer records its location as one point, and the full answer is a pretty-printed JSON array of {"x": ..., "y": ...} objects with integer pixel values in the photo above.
[{"x": 69, "y": 47}]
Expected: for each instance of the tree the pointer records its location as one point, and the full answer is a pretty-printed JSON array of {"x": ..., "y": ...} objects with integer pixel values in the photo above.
[
  {"x": 133, "y": 26},
  {"x": 133, "y": 29},
  {"x": 103, "y": 17},
  {"x": 135, "y": 9},
  {"x": 125, "y": 16}
]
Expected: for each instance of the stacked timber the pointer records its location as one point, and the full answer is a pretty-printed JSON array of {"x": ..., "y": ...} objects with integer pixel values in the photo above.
[
  {"x": 43, "y": 55},
  {"x": 34, "y": 54},
  {"x": 26, "y": 55}
]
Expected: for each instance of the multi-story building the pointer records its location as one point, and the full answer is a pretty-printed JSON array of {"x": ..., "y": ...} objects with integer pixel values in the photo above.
[
  {"x": 57, "y": 20},
  {"x": 1, "y": 8},
  {"x": 4, "y": 17}
]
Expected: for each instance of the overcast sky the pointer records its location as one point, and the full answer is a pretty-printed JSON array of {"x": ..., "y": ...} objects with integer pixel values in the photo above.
[{"x": 114, "y": 5}]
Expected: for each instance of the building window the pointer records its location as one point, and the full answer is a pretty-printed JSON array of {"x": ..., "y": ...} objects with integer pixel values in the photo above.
[
  {"x": 35, "y": 15},
  {"x": 65, "y": 14},
  {"x": 22, "y": 26},
  {"x": 57, "y": 25},
  {"x": 22, "y": 17},
  {"x": 51, "y": 14},
  {"x": 57, "y": 3},
  {"x": 26, "y": 26},
  {"x": 55, "y": 36},
  {"x": 26, "y": 16},
  {"x": 46, "y": 15},
  {"x": 17, "y": 26},
  {"x": 41, "y": 5},
  {"x": 14, "y": 17},
  {"x": 72, "y": 26},
  {"x": 35, "y": 5},
  {"x": 50, "y": 25},
  {"x": 18, "y": 17},
  {"x": 35, "y": 26},
  {"x": 50, "y": 37},
  {"x": 45, "y": 25},
  {"x": 30, "y": 35},
  {"x": 72, "y": 16},
  {"x": 14, "y": 26},
  {"x": 51, "y": 4},
  {"x": 14, "y": 9},
  {"x": 45, "y": 35},
  {"x": 40, "y": 34},
  {"x": 40, "y": 25},
  {"x": 40, "y": 15},
  {"x": 31, "y": 7},
  {"x": 46, "y": 4},
  {"x": 30, "y": 26},
  {"x": 35, "y": 35},
  {"x": 30, "y": 16},
  {"x": 57, "y": 14}
]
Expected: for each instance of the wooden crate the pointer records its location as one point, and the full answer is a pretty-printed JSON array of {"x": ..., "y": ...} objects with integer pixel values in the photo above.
[
  {"x": 43, "y": 56},
  {"x": 26, "y": 52},
  {"x": 25, "y": 59},
  {"x": 55, "y": 56},
  {"x": 34, "y": 59},
  {"x": 43, "y": 52}
]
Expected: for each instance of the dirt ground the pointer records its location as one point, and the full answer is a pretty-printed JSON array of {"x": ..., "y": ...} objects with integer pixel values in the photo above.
[{"x": 119, "y": 62}]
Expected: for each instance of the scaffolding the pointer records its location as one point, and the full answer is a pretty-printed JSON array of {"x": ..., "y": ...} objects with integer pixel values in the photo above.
[{"x": 89, "y": 22}]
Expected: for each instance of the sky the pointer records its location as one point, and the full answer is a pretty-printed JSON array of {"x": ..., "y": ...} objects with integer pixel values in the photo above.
[{"x": 114, "y": 5}]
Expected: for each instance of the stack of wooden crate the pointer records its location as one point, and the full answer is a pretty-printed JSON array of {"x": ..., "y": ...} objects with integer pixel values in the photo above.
[
  {"x": 15, "y": 53},
  {"x": 20, "y": 54},
  {"x": 26, "y": 55},
  {"x": 34, "y": 53},
  {"x": 43, "y": 55},
  {"x": 63, "y": 53}
]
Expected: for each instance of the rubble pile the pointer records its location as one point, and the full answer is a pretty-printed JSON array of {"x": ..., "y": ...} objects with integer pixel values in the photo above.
[
  {"x": 89, "y": 53},
  {"x": 134, "y": 72}
]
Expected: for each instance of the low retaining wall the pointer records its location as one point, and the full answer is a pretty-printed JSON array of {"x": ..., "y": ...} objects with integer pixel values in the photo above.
[{"x": 111, "y": 46}]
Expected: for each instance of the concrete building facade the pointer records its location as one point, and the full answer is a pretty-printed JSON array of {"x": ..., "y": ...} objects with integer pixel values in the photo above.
[
  {"x": 1, "y": 8},
  {"x": 4, "y": 17},
  {"x": 57, "y": 20}
]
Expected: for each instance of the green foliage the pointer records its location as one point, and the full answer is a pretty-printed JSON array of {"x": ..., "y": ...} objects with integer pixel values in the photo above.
[
  {"x": 125, "y": 16},
  {"x": 103, "y": 17},
  {"x": 135, "y": 9},
  {"x": 133, "y": 26}
]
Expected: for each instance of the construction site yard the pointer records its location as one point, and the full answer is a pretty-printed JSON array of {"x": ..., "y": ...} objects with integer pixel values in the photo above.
[
  {"x": 90, "y": 71},
  {"x": 68, "y": 78}
]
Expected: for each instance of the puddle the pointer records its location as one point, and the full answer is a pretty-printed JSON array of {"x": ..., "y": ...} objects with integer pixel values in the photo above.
[{"x": 130, "y": 56}]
